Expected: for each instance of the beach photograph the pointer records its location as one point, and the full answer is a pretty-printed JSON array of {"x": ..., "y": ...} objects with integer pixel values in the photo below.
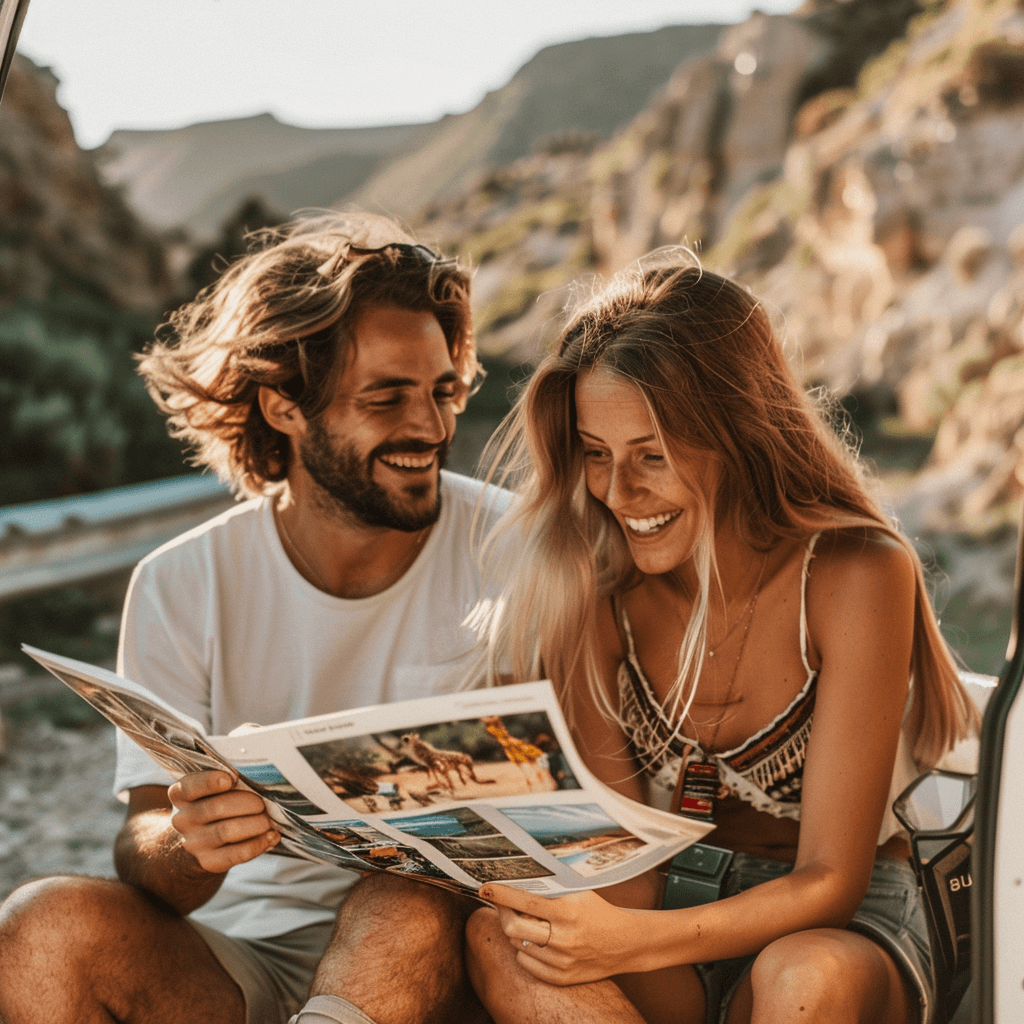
[
  {"x": 581, "y": 836},
  {"x": 473, "y": 844}
]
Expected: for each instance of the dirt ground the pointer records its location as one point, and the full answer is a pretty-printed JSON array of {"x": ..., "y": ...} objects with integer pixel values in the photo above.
[{"x": 57, "y": 813}]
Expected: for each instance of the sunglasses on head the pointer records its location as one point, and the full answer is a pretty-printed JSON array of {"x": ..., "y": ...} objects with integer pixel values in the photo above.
[{"x": 420, "y": 253}]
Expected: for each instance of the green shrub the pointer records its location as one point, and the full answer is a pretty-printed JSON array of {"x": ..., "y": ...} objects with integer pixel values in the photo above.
[{"x": 74, "y": 416}]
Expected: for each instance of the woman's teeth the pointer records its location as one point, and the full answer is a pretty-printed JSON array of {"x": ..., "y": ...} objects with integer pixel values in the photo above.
[
  {"x": 409, "y": 461},
  {"x": 651, "y": 525}
]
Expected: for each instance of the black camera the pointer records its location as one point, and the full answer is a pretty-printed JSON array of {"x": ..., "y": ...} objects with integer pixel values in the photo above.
[{"x": 696, "y": 876}]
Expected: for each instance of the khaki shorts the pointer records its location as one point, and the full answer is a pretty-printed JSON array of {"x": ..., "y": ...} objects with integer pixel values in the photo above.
[{"x": 273, "y": 974}]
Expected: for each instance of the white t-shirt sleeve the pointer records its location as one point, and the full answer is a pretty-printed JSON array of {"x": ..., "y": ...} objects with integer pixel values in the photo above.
[{"x": 163, "y": 660}]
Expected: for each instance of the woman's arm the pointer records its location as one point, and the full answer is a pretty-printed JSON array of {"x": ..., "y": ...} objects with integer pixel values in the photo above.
[
  {"x": 860, "y": 616},
  {"x": 860, "y": 601}
]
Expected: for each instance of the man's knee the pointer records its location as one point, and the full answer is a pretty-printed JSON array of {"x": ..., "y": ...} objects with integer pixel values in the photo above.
[
  {"x": 58, "y": 910},
  {"x": 410, "y": 912},
  {"x": 56, "y": 926},
  {"x": 386, "y": 921},
  {"x": 76, "y": 948}
]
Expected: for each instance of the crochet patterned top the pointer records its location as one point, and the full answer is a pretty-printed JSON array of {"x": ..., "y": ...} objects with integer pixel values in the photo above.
[{"x": 766, "y": 770}]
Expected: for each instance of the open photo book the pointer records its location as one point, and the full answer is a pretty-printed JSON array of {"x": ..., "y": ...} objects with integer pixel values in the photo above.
[{"x": 462, "y": 789}]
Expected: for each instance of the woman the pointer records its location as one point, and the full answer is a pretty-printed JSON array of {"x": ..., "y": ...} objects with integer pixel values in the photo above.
[{"x": 728, "y": 616}]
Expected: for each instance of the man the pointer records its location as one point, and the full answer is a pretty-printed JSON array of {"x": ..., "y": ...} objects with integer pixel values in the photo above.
[{"x": 320, "y": 375}]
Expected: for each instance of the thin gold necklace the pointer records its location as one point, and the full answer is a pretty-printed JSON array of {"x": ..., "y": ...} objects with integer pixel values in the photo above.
[
  {"x": 748, "y": 618},
  {"x": 712, "y": 651},
  {"x": 317, "y": 579},
  {"x": 699, "y": 783}
]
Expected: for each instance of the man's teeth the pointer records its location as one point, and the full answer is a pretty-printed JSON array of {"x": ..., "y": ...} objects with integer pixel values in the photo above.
[
  {"x": 409, "y": 461},
  {"x": 651, "y": 524}
]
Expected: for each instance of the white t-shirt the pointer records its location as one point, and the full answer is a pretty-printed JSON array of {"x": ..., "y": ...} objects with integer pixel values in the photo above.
[{"x": 220, "y": 624}]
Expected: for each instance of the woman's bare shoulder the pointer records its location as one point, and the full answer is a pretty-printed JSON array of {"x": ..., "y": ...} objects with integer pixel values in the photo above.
[
  {"x": 858, "y": 574},
  {"x": 862, "y": 555}
]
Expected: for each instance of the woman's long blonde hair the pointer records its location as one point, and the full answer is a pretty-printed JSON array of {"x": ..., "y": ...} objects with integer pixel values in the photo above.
[{"x": 702, "y": 353}]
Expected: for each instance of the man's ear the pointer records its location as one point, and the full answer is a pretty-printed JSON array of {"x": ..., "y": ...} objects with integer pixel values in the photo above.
[{"x": 281, "y": 413}]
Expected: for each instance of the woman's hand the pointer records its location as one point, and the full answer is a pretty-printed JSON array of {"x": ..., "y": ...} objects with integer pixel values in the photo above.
[{"x": 569, "y": 940}]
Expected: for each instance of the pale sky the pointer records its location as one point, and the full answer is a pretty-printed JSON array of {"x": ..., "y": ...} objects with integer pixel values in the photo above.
[{"x": 319, "y": 63}]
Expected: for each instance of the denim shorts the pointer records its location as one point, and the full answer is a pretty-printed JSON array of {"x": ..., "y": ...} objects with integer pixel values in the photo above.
[{"x": 892, "y": 915}]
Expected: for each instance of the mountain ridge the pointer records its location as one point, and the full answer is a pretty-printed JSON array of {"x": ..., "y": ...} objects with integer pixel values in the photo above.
[
  {"x": 194, "y": 175},
  {"x": 170, "y": 175}
]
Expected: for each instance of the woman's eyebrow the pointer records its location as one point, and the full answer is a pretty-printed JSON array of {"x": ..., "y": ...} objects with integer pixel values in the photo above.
[{"x": 635, "y": 440}]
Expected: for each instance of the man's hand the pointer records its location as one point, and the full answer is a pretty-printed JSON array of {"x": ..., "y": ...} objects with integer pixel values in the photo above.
[
  {"x": 180, "y": 852},
  {"x": 220, "y": 826}
]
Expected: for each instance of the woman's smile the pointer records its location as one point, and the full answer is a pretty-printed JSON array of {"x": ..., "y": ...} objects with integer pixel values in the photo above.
[
  {"x": 628, "y": 471},
  {"x": 651, "y": 524}
]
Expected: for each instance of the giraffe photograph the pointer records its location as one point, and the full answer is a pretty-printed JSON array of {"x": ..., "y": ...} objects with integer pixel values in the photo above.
[{"x": 444, "y": 762}]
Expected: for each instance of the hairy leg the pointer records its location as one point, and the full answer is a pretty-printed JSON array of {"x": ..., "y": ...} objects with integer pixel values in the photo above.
[
  {"x": 829, "y": 975},
  {"x": 514, "y": 996},
  {"x": 95, "y": 951},
  {"x": 397, "y": 954}
]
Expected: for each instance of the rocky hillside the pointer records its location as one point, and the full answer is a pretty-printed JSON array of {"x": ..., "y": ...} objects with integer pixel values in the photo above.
[
  {"x": 590, "y": 86},
  {"x": 861, "y": 166},
  {"x": 196, "y": 176},
  {"x": 892, "y": 240},
  {"x": 62, "y": 230},
  {"x": 82, "y": 284}
]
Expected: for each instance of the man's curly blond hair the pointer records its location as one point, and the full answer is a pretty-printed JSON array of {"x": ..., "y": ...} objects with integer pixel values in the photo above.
[{"x": 282, "y": 317}]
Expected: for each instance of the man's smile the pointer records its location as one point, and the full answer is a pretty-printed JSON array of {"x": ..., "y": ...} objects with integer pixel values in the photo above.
[{"x": 413, "y": 462}]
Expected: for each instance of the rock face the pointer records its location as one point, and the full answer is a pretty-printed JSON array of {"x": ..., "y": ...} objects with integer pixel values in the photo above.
[
  {"x": 891, "y": 243},
  {"x": 718, "y": 129},
  {"x": 64, "y": 231},
  {"x": 528, "y": 231},
  {"x": 862, "y": 172},
  {"x": 590, "y": 85},
  {"x": 82, "y": 285}
]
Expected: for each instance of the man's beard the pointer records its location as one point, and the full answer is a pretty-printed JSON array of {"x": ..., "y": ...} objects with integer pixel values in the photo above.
[{"x": 347, "y": 478}]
